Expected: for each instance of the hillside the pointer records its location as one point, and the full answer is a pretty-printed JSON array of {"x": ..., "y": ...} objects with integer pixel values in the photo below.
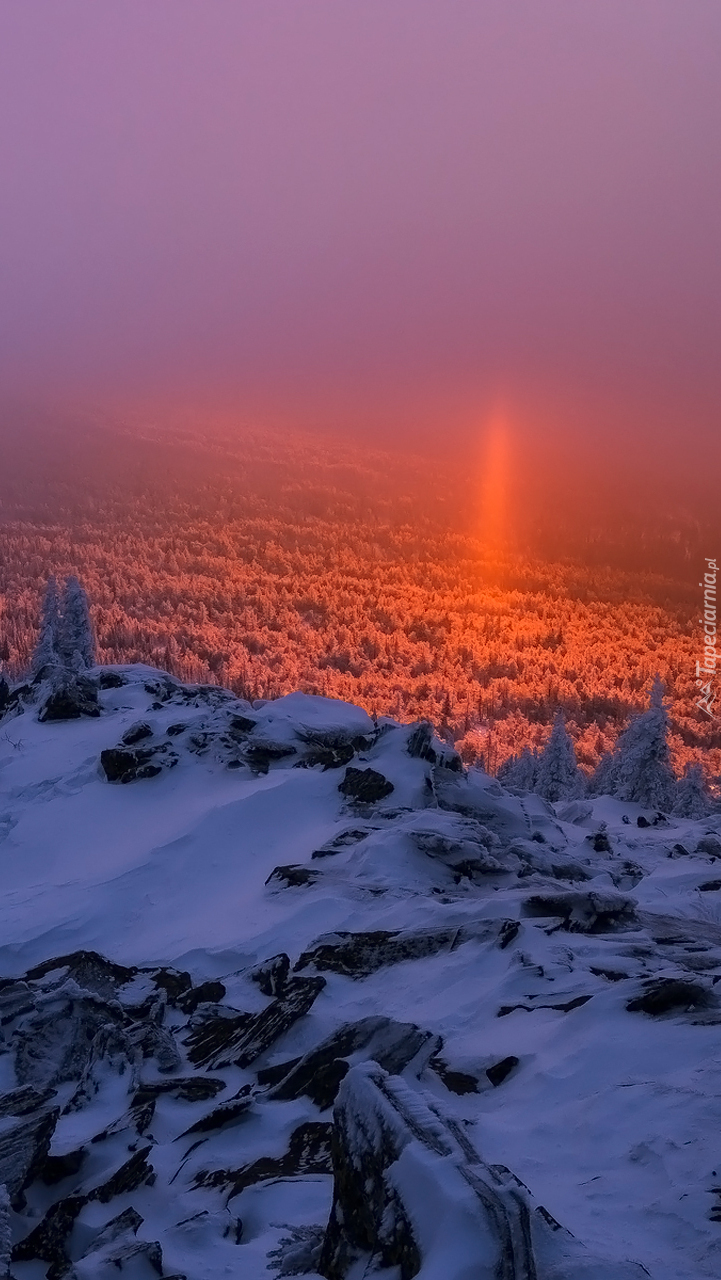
[{"x": 286, "y": 989}]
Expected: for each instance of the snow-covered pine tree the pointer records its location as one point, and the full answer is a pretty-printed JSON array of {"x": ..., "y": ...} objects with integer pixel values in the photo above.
[
  {"x": 558, "y": 776},
  {"x": 692, "y": 795},
  {"x": 519, "y": 771},
  {"x": 603, "y": 779},
  {"x": 642, "y": 768},
  {"x": 47, "y": 657},
  {"x": 77, "y": 641}
]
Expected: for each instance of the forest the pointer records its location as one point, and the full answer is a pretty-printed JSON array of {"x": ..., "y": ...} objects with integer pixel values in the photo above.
[{"x": 270, "y": 562}]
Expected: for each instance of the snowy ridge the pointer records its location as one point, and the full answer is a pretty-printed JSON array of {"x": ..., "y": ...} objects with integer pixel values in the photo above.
[{"x": 201, "y": 957}]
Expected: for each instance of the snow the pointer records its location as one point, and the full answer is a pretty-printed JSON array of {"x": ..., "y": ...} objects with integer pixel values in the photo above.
[{"x": 610, "y": 1117}]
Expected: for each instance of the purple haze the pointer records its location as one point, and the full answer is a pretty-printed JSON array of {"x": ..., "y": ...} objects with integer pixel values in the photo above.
[{"x": 361, "y": 208}]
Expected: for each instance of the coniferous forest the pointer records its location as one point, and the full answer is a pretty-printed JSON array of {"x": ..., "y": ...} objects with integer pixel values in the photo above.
[{"x": 272, "y": 564}]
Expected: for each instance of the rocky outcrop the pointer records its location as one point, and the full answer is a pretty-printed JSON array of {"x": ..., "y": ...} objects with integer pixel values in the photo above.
[
  {"x": 130, "y": 764},
  {"x": 356, "y": 955},
  {"x": 308, "y": 1152},
  {"x": 317, "y": 1075},
  {"x": 395, "y": 1154},
  {"x": 292, "y": 877},
  {"x": 223, "y": 1037},
  {"x": 70, "y": 699},
  {"x": 24, "y": 1143},
  {"x": 366, "y": 786},
  {"x": 594, "y": 911},
  {"x": 672, "y": 995}
]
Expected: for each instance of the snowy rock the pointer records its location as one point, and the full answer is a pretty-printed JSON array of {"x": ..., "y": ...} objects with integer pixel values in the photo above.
[
  {"x": 24, "y": 1144},
  {"x": 412, "y": 1192},
  {"x": 221, "y": 1038},
  {"x": 365, "y": 785},
  {"x": 69, "y": 699},
  {"x": 318, "y": 1073},
  {"x": 272, "y": 974},
  {"x": 593, "y": 911},
  {"x": 125, "y": 764},
  {"x": 672, "y": 995},
  {"x": 359, "y": 954},
  {"x": 308, "y": 1152}
]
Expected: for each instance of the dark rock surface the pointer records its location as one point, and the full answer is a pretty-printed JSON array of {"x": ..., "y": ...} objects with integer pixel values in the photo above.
[
  {"x": 130, "y": 764},
  {"x": 356, "y": 955},
  {"x": 308, "y": 1152},
  {"x": 672, "y": 995},
  {"x": 593, "y": 911},
  {"x": 293, "y": 877},
  {"x": 319, "y": 1072},
  {"x": 272, "y": 974},
  {"x": 222, "y": 1038},
  {"x": 70, "y": 700},
  {"x": 365, "y": 785},
  {"x": 24, "y": 1144},
  {"x": 136, "y": 733}
]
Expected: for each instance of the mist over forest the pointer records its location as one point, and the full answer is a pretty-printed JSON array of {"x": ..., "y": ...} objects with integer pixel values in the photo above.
[{"x": 270, "y": 560}]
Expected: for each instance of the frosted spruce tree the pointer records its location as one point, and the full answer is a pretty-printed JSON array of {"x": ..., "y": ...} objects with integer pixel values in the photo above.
[
  {"x": 642, "y": 760},
  {"x": 519, "y": 771},
  {"x": 692, "y": 796},
  {"x": 77, "y": 641},
  {"x": 47, "y": 657},
  {"x": 558, "y": 776},
  {"x": 603, "y": 780}
]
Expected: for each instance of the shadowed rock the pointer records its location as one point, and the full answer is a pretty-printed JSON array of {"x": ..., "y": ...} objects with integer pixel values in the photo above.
[
  {"x": 459, "y": 1082},
  {"x": 672, "y": 995},
  {"x": 365, "y": 785},
  {"x": 710, "y": 846},
  {"x": 331, "y": 754},
  {"x": 308, "y": 1152},
  {"x": 294, "y": 877},
  {"x": 89, "y": 969},
  {"x": 353, "y": 835},
  {"x": 501, "y": 1070},
  {"x": 206, "y": 993},
  {"x": 136, "y": 733},
  {"x": 318, "y": 1073},
  {"x": 261, "y": 755},
  {"x": 24, "y": 1145},
  {"x": 73, "y": 698},
  {"x": 111, "y": 680},
  {"x": 49, "y": 1239},
  {"x": 56, "y": 1043},
  {"x": 593, "y": 911},
  {"x": 219, "y": 1040},
  {"x": 128, "y": 764},
  {"x": 272, "y": 974},
  {"x": 15, "y": 998},
  {"x": 226, "y": 1113},
  {"x": 356, "y": 955},
  {"x": 115, "y": 1248}
]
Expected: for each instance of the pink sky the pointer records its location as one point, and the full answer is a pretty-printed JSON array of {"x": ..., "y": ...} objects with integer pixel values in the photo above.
[{"x": 369, "y": 203}]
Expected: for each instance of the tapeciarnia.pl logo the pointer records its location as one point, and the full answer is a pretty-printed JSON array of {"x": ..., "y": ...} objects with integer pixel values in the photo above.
[{"x": 708, "y": 622}]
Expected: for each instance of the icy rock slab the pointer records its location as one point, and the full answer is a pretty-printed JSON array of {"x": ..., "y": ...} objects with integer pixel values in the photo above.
[
  {"x": 356, "y": 955},
  {"x": 411, "y": 1191},
  {"x": 319, "y": 1072},
  {"x": 24, "y": 1144},
  {"x": 593, "y": 911},
  {"x": 223, "y": 1037}
]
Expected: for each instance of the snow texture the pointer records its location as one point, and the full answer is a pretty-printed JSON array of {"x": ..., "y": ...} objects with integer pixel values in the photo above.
[{"x": 209, "y": 969}]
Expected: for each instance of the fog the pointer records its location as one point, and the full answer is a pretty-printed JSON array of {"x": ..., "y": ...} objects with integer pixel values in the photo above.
[{"x": 379, "y": 216}]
